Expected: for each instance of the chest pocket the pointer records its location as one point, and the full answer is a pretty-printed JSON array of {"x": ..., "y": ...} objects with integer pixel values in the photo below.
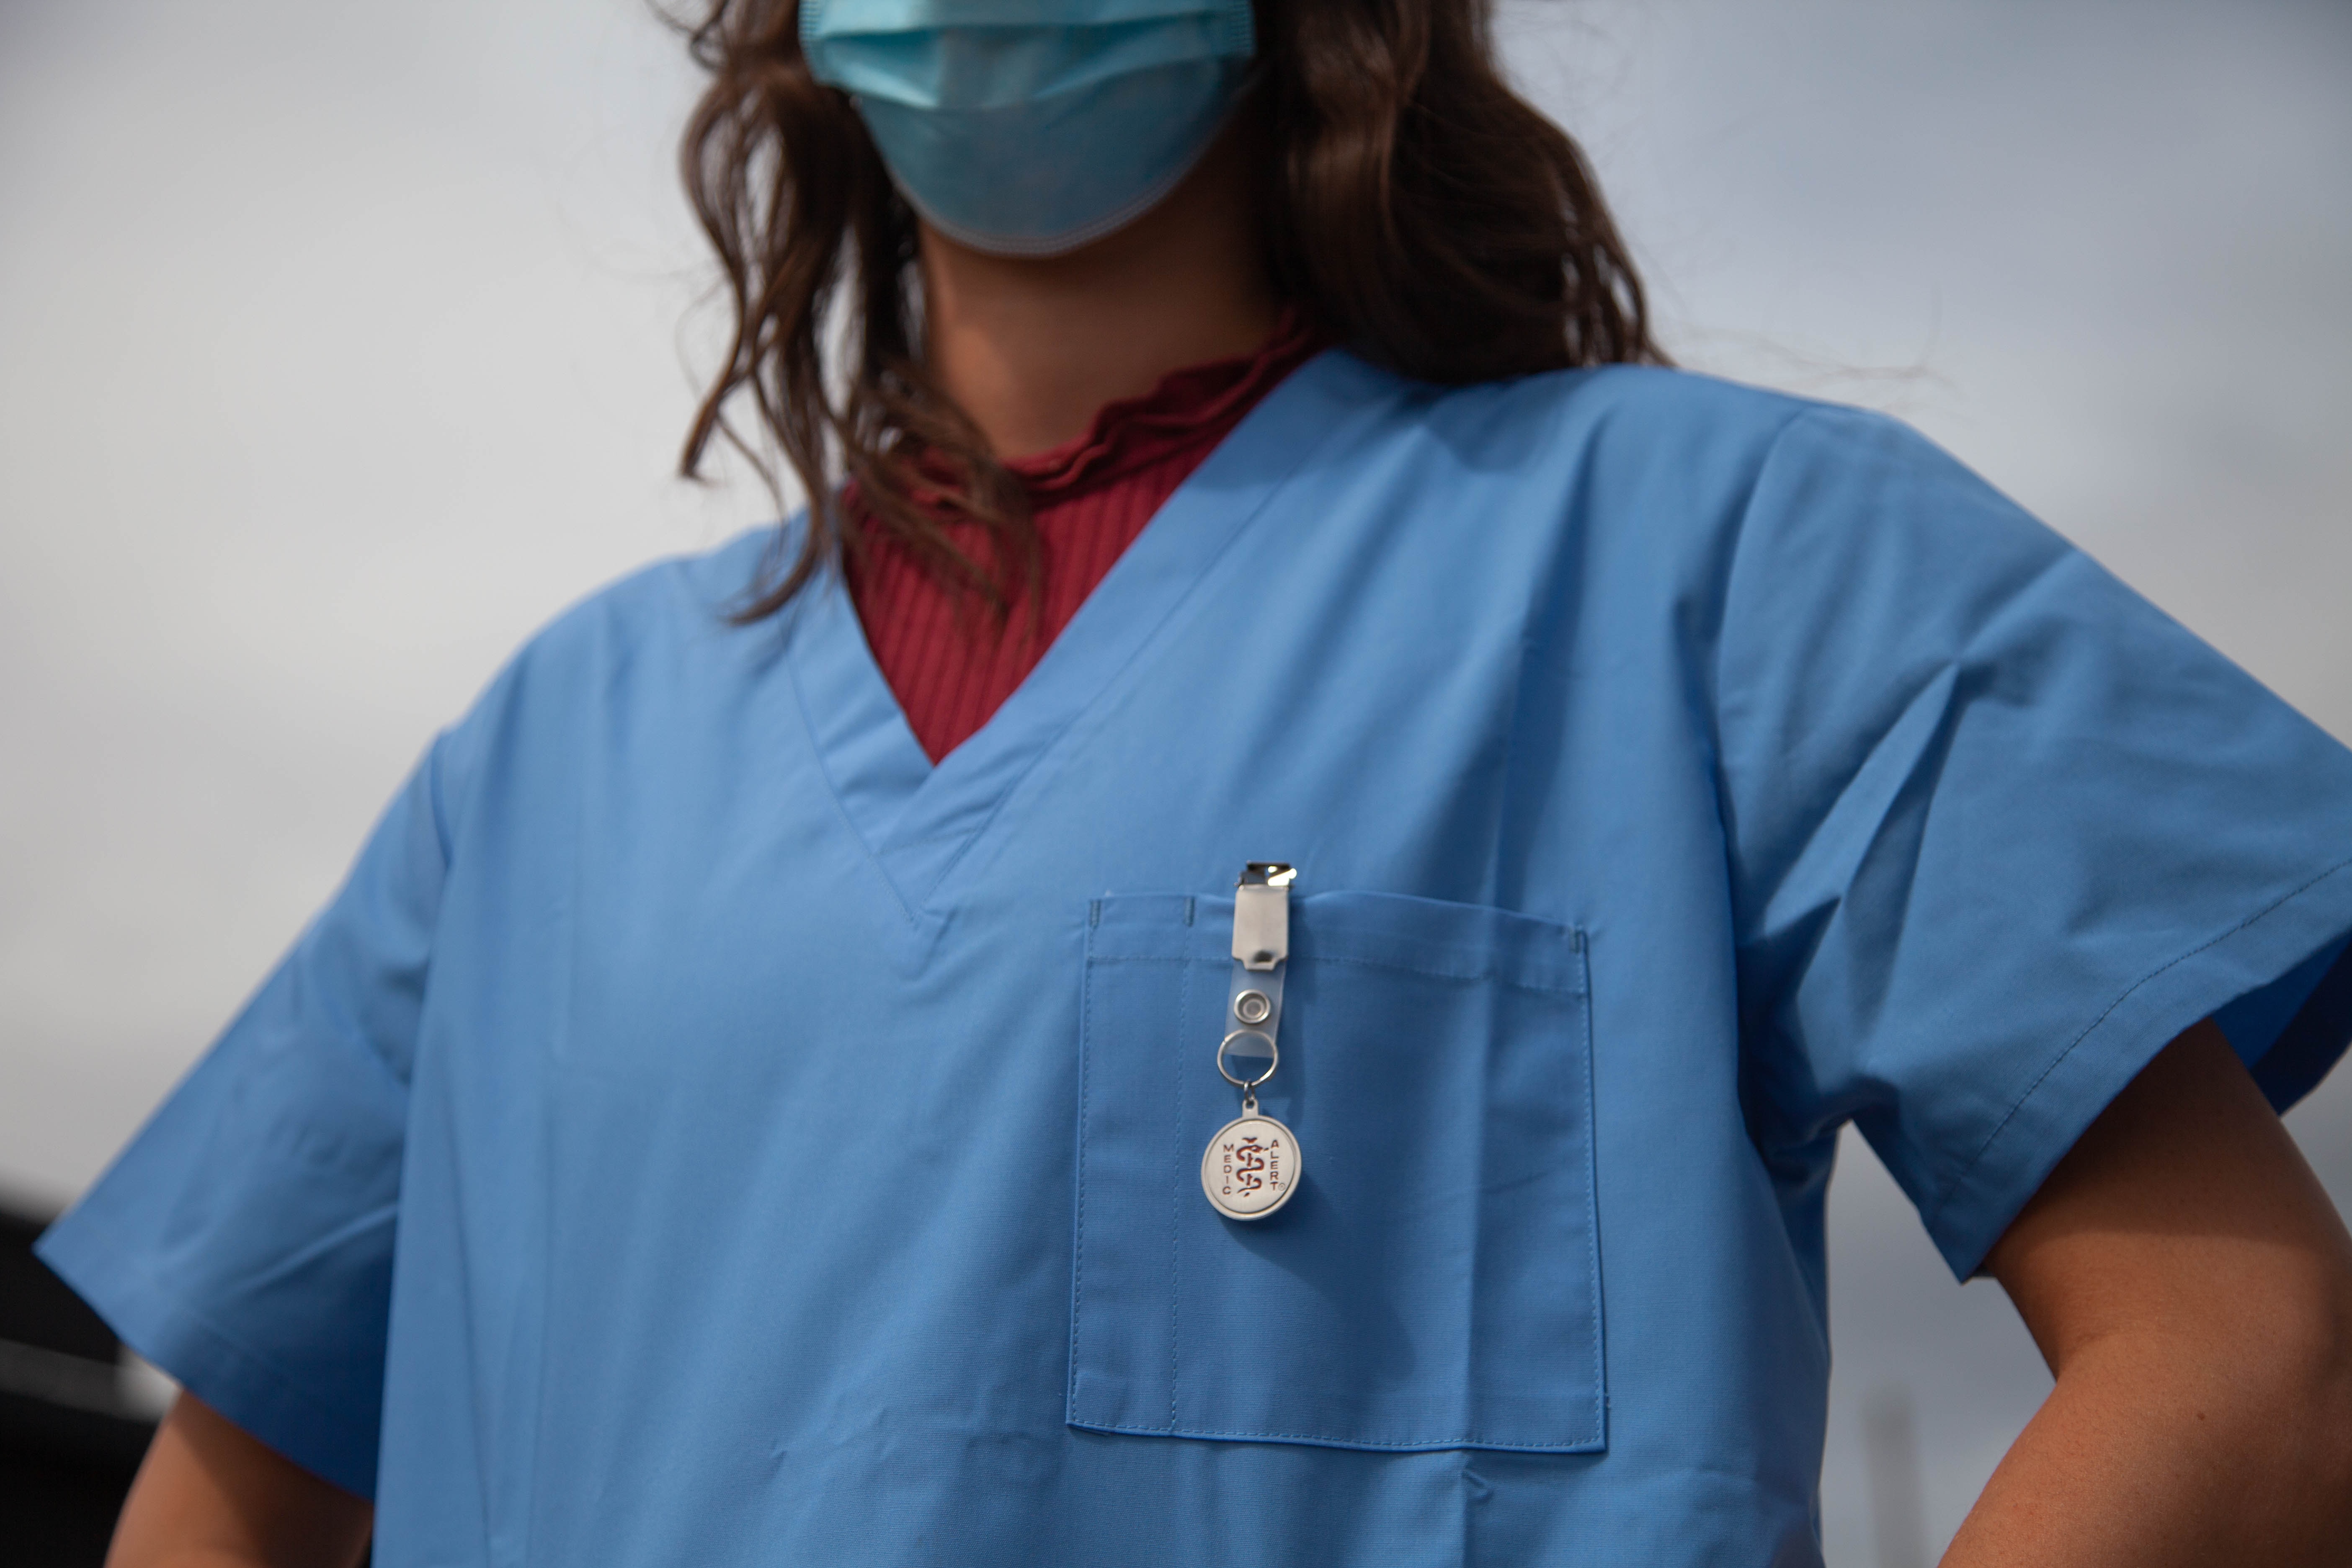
[{"x": 1434, "y": 1281}]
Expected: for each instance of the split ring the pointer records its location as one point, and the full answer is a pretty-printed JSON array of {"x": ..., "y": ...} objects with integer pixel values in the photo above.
[{"x": 1274, "y": 1054}]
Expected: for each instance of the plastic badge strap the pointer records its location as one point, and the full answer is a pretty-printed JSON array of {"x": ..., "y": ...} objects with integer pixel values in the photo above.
[
  {"x": 1250, "y": 1049},
  {"x": 1253, "y": 1164}
]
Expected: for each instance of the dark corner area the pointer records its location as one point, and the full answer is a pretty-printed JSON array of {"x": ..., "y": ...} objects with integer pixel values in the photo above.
[{"x": 75, "y": 1415}]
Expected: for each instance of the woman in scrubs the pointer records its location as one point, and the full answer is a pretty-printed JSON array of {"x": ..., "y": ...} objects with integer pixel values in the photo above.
[{"x": 1251, "y": 946}]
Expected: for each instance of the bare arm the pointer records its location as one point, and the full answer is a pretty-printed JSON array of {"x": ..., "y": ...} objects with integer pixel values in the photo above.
[
  {"x": 211, "y": 1496},
  {"x": 2191, "y": 1284}
]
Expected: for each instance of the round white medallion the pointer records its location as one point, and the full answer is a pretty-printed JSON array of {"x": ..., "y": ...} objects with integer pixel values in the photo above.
[{"x": 1251, "y": 1167}]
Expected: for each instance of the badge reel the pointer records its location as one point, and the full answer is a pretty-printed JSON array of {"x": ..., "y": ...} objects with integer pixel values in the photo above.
[{"x": 1253, "y": 1165}]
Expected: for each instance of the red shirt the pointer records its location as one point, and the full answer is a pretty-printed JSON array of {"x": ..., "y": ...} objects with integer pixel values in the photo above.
[{"x": 1090, "y": 498}]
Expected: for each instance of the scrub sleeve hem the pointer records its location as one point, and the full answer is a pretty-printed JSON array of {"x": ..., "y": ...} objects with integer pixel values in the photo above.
[
  {"x": 247, "y": 1390},
  {"x": 2061, "y": 1104}
]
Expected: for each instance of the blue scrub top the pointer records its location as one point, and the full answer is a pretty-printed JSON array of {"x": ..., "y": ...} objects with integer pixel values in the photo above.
[{"x": 703, "y": 1132}]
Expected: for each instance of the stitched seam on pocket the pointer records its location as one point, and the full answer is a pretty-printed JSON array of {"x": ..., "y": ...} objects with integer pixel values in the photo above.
[
  {"x": 1325, "y": 1439},
  {"x": 1079, "y": 1239},
  {"x": 1483, "y": 976},
  {"x": 1176, "y": 1193},
  {"x": 1592, "y": 1205},
  {"x": 1480, "y": 977}
]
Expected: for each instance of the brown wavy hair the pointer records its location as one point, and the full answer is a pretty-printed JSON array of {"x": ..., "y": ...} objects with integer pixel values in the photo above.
[{"x": 1412, "y": 206}]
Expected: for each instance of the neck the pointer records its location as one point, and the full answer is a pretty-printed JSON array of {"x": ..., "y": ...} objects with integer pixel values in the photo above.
[{"x": 1029, "y": 347}]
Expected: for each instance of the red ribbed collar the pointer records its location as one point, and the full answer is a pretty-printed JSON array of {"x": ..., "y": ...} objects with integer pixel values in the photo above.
[
  {"x": 1187, "y": 405},
  {"x": 1195, "y": 405}
]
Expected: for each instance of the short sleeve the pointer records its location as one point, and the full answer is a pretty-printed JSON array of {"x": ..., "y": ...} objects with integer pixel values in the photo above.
[
  {"x": 243, "y": 1241},
  {"x": 1999, "y": 830}
]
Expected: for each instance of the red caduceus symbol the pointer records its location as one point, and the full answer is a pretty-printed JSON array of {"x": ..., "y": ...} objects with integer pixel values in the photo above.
[{"x": 1246, "y": 1160}]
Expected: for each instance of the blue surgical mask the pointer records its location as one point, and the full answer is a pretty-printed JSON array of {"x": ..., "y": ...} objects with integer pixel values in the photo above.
[{"x": 1030, "y": 127}]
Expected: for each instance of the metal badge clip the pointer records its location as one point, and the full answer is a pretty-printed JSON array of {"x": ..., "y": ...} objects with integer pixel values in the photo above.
[{"x": 1251, "y": 1166}]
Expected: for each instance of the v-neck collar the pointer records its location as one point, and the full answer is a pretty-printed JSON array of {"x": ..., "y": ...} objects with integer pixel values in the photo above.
[{"x": 917, "y": 821}]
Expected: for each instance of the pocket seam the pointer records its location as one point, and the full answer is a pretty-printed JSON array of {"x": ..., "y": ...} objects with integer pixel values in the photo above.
[
  {"x": 1599, "y": 1439},
  {"x": 1188, "y": 962},
  {"x": 1314, "y": 1439},
  {"x": 1078, "y": 1218},
  {"x": 1175, "y": 1203},
  {"x": 1495, "y": 976}
]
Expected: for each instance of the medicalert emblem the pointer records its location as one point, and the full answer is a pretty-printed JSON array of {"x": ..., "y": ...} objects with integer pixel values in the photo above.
[{"x": 1251, "y": 1168}]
